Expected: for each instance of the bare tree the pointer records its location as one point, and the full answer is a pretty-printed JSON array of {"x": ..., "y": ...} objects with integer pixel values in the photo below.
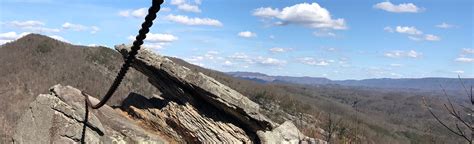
[
  {"x": 331, "y": 126},
  {"x": 460, "y": 122}
]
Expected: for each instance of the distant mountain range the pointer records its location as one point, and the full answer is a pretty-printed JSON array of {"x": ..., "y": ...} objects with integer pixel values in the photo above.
[{"x": 430, "y": 83}]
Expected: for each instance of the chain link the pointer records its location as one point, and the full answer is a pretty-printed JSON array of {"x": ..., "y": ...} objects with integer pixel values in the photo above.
[{"x": 152, "y": 11}]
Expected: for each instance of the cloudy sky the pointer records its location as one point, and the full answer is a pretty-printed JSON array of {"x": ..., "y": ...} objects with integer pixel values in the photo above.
[{"x": 338, "y": 39}]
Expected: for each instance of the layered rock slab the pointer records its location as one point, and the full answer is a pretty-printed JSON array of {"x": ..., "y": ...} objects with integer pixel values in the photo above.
[
  {"x": 191, "y": 90},
  {"x": 183, "y": 85},
  {"x": 185, "y": 122}
]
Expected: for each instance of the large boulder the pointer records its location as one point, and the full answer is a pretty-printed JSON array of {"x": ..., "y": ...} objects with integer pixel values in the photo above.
[
  {"x": 183, "y": 85},
  {"x": 287, "y": 133},
  {"x": 61, "y": 117},
  {"x": 224, "y": 112}
]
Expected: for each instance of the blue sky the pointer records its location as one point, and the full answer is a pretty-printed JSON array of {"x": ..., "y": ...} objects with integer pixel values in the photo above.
[{"x": 337, "y": 39}]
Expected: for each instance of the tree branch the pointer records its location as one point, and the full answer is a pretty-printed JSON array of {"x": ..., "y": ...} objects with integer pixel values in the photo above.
[{"x": 461, "y": 134}]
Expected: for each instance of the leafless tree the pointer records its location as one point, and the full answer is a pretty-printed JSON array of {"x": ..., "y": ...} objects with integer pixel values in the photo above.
[
  {"x": 331, "y": 126},
  {"x": 460, "y": 121}
]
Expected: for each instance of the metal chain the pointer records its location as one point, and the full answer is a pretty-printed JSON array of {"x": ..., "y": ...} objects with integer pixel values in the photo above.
[{"x": 152, "y": 11}]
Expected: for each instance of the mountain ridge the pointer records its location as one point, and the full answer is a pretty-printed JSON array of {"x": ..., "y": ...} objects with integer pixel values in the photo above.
[{"x": 425, "y": 83}]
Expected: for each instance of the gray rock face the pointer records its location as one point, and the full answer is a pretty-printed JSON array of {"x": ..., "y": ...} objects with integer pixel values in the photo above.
[
  {"x": 182, "y": 84},
  {"x": 184, "y": 122},
  {"x": 60, "y": 117},
  {"x": 203, "y": 110}
]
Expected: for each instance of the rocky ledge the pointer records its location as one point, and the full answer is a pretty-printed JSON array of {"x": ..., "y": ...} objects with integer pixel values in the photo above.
[
  {"x": 61, "y": 117},
  {"x": 192, "y": 108}
]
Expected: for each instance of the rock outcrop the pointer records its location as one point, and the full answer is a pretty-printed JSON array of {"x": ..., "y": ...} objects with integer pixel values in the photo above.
[
  {"x": 61, "y": 117},
  {"x": 180, "y": 83},
  {"x": 191, "y": 108},
  {"x": 196, "y": 90},
  {"x": 185, "y": 122}
]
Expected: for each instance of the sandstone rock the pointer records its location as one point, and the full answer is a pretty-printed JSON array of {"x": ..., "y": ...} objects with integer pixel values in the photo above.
[
  {"x": 182, "y": 84},
  {"x": 200, "y": 109},
  {"x": 60, "y": 117},
  {"x": 185, "y": 122}
]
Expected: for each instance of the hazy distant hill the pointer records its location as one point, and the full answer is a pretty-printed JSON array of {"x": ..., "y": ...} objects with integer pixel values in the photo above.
[{"x": 404, "y": 83}]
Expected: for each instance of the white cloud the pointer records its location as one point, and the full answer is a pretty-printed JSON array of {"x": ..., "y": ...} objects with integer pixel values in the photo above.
[
  {"x": 444, "y": 25},
  {"x": 399, "y": 54},
  {"x": 324, "y": 34},
  {"x": 165, "y": 9},
  {"x": 196, "y": 60},
  {"x": 414, "y": 38},
  {"x": 430, "y": 37},
  {"x": 157, "y": 38},
  {"x": 96, "y": 45},
  {"x": 388, "y": 29},
  {"x": 124, "y": 13},
  {"x": 213, "y": 52},
  {"x": 331, "y": 49},
  {"x": 74, "y": 27},
  {"x": 151, "y": 37},
  {"x": 43, "y": 29},
  {"x": 79, "y": 27},
  {"x": 400, "y": 8},
  {"x": 95, "y": 29},
  {"x": 413, "y": 54},
  {"x": 313, "y": 62},
  {"x": 309, "y": 15},
  {"x": 467, "y": 51},
  {"x": 211, "y": 55},
  {"x": 466, "y": 56},
  {"x": 187, "y": 7},
  {"x": 193, "y": 21},
  {"x": 427, "y": 37},
  {"x": 153, "y": 45},
  {"x": 267, "y": 61},
  {"x": 137, "y": 13},
  {"x": 260, "y": 60},
  {"x": 247, "y": 34},
  {"x": 156, "y": 41},
  {"x": 413, "y": 32},
  {"x": 29, "y": 23},
  {"x": 464, "y": 59},
  {"x": 57, "y": 37},
  {"x": 177, "y": 2},
  {"x": 228, "y": 63},
  {"x": 32, "y": 25},
  {"x": 408, "y": 30},
  {"x": 266, "y": 12},
  {"x": 239, "y": 56},
  {"x": 458, "y": 71},
  {"x": 279, "y": 50},
  {"x": 396, "y": 65},
  {"x": 11, "y": 36}
]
